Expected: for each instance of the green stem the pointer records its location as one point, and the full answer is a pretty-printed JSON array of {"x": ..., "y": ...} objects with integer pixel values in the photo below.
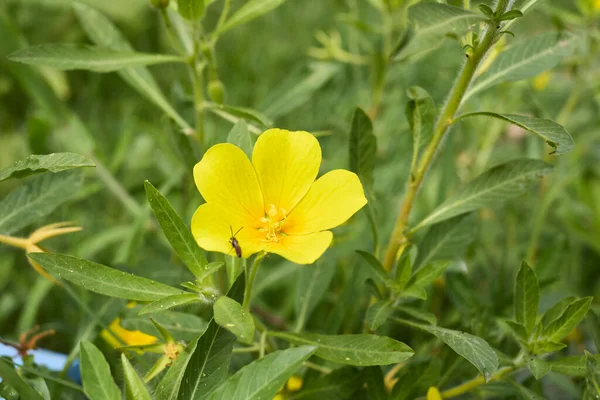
[
  {"x": 442, "y": 126},
  {"x": 250, "y": 279},
  {"x": 196, "y": 72},
  {"x": 222, "y": 19},
  {"x": 475, "y": 383}
]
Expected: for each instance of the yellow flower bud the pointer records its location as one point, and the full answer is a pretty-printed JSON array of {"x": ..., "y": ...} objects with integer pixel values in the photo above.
[
  {"x": 294, "y": 384},
  {"x": 434, "y": 394},
  {"x": 541, "y": 81}
]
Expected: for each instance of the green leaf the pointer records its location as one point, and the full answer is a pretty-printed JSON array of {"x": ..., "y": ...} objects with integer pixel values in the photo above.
[
  {"x": 474, "y": 349},
  {"x": 556, "y": 310},
  {"x": 378, "y": 313},
  {"x": 527, "y": 297},
  {"x": 250, "y": 10},
  {"x": 37, "y": 198},
  {"x": 36, "y": 164},
  {"x": 568, "y": 320},
  {"x": 242, "y": 113},
  {"x": 552, "y": 133},
  {"x": 432, "y": 22},
  {"x": 98, "y": 383},
  {"x": 166, "y": 303},
  {"x": 232, "y": 316},
  {"x": 134, "y": 386},
  {"x": 11, "y": 377},
  {"x": 421, "y": 114},
  {"x": 593, "y": 326},
  {"x": 191, "y": 9},
  {"x": 102, "y": 279},
  {"x": 403, "y": 270},
  {"x": 241, "y": 137},
  {"x": 575, "y": 366},
  {"x": 525, "y": 60},
  {"x": 181, "y": 325},
  {"x": 91, "y": 58},
  {"x": 262, "y": 379},
  {"x": 446, "y": 240},
  {"x": 376, "y": 269},
  {"x": 509, "y": 15},
  {"x": 209, "y": 364},
  {"x": 422, "y": 278},
  {"x": 547, "y": 346},
  {"x": 493, "y": 187},
  {"x": 538, "y": 367},
  {"x": 486, "y": 10},
  {"x": 363, "y": 147},
  {"x": 311, "y": 286},
  {"x": 168, "y": 386},
  {"x": 593, "y": 376},
  {"x": 177, "y": 232},
  {"x": 525, "y": 393},
  {"x": 518, "y": 331},
  {"x": 359, "y": 350},
  {"x": 103, "y": 33}
]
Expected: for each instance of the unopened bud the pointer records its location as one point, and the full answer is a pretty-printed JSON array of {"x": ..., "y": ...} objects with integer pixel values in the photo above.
[
  {"x": 216, "y": 91},
  {"x": 160, "y": 4}
]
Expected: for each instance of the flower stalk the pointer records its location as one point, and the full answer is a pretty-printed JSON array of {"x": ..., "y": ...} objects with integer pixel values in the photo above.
[
  {"x": 398, "y": 240},
  {"x": 250, "y": 278}
]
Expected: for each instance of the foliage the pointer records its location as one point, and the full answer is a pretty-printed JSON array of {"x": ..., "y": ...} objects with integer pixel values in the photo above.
[{"x": 471, "y": 124}]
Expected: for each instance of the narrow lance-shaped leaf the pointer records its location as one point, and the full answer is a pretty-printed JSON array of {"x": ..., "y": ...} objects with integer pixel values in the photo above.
[
  {"x": 262, "y": 379},
  {"x": 243, "y": 113},
  {"x": 474, "y": 349},
  {"x": 36, "y": 164},
  {"x": 134, "y": 386},
  {"x": 102, "y": 279},
  {"x": 423, "y": 277},
  {"x": 496, "y": 185},
  {"x": 37, "y": 198},
  {"x": 377, "y": 270},
  {"x": 421, "y": 114},
  {"x": 104, "y": 33},
  {"x": 232, "y": 316},
  {"x": 569, "y": 319},
  {"x": 166, "y": 303},
  {"x": 552, "y": 133},
  {"x": 526, "y": 60},
  {"x": 527, "y": 297},
  {"x": 363, "y": 147},
  {"x": 556, "y": 310},
  {"x": 98, "y": 383},
  {"x": 250, "y": 10},
  {"x": 91, "y": 58},
  {"x": 10, "y": 376},
  {"x": 176, "y": 232},
  {"x": 378, "y": 313},
  {"x": 358, "y": 350},
  {"x": 209, "y": 364}
]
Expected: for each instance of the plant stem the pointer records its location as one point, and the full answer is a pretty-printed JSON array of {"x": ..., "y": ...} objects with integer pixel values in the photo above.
[
  {"x": 196, "y": 72},
  {"x": 476, "y": 382},
  {"x": 441, "y": 128},
  {"x": 250, "y": 279}
]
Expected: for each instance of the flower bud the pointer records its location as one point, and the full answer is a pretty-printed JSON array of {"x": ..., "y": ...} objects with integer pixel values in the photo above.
[{"x": 216, "y": 91}]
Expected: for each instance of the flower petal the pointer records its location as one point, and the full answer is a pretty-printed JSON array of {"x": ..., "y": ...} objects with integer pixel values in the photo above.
[
  {"x": 286, "y": 163},
  {"x": 302, "y": 249},
  {"x": 331, "y": 200},
  {"x": 212, "y": 226},
  {"x": 225, "y": 177}
]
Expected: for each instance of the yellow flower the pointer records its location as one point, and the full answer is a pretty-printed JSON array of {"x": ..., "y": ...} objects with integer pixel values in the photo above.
[
  {"x": 433, "y": 394},
  {"x": 130, "y": 338},
  {"x": 294, "y": 384},
  {"x": 274, "y": 202}
]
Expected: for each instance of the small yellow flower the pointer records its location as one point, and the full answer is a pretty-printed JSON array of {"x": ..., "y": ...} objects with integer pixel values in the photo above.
[
  {"x": 274, "y": 201},
  {"x": 541, "y": 81},
  {"x": 294, "y": 384},
  {"x": 434, "y": 394}
]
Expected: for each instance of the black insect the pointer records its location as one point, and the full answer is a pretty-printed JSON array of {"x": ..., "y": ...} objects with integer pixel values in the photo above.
[{"x": 234, "y": 242}]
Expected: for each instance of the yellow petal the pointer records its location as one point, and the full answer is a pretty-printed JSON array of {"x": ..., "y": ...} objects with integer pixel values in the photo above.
[
  {"x": 286, "y": 163},
  {"x": 225, "y": 178},
  {"x": 302, "y": 249},
  {"x": 212, "y": 226},
  {"x": 433, "y": 393},
  {"x": 331, "y": 200}
]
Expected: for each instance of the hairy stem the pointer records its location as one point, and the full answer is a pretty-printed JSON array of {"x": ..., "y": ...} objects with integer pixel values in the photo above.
[{"x": 442, "y": 126}]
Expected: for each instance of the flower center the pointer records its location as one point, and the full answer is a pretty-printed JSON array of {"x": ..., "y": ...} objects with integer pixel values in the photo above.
[{"x": 273, "y": 223}]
